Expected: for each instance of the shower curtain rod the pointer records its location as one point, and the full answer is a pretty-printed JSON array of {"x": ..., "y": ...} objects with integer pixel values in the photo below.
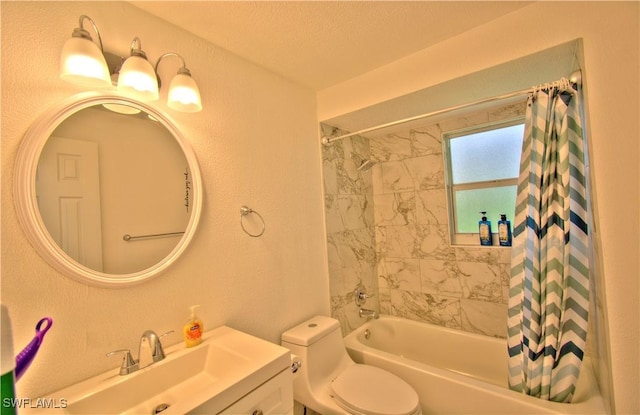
[{"x": 574, "y": 78}]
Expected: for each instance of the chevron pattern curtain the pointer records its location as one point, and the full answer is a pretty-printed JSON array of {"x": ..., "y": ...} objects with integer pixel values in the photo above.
[{"x": 549, "y": 289}]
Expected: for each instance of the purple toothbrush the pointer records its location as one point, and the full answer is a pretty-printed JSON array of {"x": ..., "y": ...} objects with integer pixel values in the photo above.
[{"x": 26, "y": 356}]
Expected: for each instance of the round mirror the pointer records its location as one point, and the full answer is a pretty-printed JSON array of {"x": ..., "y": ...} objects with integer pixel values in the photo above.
[{"x": 107, "y": 189}]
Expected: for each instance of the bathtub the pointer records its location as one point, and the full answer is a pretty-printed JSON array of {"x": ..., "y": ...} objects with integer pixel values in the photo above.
[{"x": 455, "y": 372}]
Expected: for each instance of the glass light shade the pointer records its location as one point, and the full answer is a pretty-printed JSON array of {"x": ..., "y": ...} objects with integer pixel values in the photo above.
[
  {"x": 184, "y": 94},
  {"x": 138, "y": 79},
  {"x": 82, "y": 62}
]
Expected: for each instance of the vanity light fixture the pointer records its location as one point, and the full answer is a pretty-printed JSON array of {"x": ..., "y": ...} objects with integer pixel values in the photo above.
[
  {"x": 84, "y": 63},
  {"x": 183, "y": 94}
]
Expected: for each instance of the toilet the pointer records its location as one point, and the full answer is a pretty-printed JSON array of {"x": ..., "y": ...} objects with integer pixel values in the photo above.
[{"x": 329, "y": 382}]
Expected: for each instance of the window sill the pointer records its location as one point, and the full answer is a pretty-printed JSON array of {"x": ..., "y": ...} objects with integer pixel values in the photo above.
[{"x": 468, "y": 240}]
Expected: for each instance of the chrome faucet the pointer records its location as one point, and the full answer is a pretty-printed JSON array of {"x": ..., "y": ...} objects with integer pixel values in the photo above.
[
  {"x": 366, "y": 313},
  {"x": 149, "y": 351},
  {"x": 150, "y": 348}
]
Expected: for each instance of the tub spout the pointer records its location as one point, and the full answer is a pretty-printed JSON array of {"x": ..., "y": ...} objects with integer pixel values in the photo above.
[{"x": 365, "y": 313}]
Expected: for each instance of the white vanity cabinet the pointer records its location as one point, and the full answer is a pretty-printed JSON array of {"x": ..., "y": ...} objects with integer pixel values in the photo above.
[{"x": 272, "y": 397}]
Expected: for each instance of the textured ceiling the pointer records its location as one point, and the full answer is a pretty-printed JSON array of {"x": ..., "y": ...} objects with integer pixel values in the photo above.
[{"x": 323, "y": 43}]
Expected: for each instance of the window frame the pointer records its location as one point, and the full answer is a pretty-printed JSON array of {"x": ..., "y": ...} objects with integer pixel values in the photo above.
[{"x": 460, "y": 238}]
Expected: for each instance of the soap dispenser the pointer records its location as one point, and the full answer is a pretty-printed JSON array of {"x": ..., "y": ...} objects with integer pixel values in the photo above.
[
  {"x": 484, "y": 227},
  {"x": 504, "y": 231},
  {"x": 193, "y": 329}
]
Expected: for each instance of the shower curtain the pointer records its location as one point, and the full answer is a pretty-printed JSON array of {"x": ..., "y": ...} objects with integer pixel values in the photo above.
[{"x": 549, "y": 289}]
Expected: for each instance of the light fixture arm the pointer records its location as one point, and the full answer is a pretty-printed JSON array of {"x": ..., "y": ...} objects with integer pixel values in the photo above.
[
  {"x": 83, "y": 33},
  {"x": 137, "y": 51},
  {"x": 166, "y": 55},
  {"x": 183, "y": 69}
]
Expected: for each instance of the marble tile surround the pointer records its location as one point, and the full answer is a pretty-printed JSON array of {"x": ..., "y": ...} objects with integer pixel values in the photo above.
[
  {"x": 388, "y": 230},
  {"x": 349, "y": 216}
]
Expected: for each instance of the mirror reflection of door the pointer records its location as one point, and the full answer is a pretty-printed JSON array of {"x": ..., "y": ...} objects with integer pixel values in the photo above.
[
  {"x": 141, "y": 187},
  {"x": 68, "y": 194}
]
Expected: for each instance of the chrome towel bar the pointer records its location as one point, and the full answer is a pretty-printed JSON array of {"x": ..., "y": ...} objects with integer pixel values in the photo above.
[{"x": 128, "y": 237}]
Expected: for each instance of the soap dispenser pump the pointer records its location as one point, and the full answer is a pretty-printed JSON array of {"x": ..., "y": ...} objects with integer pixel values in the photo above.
[
  {"x": 484, "y": 227},
  {"x": 193, "y": 329}
]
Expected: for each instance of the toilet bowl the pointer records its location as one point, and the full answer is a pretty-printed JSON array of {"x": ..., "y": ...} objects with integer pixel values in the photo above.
[{"x": 329, "y": 382}]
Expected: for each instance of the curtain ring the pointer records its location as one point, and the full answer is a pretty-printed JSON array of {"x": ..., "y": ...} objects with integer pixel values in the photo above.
[{"x": 244, "y": 211}]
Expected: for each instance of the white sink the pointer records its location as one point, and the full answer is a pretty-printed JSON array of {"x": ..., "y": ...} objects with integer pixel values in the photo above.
[{"x": 213, "y": 375}]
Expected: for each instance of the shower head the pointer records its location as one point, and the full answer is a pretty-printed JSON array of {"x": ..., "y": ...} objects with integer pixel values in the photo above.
[
  {"x": 366, "y": 165},
  {"x": 362, "y": 163}
]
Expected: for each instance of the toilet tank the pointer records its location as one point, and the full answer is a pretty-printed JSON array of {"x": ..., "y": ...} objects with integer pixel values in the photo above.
[
  {"x": 311, "y": 331},
  {"x": 318, "y": 341}
]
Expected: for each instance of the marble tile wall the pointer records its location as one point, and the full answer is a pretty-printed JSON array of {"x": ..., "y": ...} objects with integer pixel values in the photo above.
[
  {"x": 388, "y": 230},
  {"x": 350, "y": 228}
]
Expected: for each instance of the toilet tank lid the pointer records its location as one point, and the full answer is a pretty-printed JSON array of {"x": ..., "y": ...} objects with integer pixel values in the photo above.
[{"x": 312, "y": 330}]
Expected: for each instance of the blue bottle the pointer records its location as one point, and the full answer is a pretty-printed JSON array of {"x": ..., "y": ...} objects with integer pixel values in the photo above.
[
  {"x": 504, "y": 231},
  {"x": 484, "y": 227}
]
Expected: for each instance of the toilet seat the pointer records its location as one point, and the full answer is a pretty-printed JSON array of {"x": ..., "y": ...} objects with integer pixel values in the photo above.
[{"x": 365, "y": 389}]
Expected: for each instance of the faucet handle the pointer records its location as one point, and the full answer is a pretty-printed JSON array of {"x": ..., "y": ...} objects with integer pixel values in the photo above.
[
  {"x": 164, "y": 334},
  {"x": 128, "y": 363},
  {"x": 158, "y": 351},
  {"x": 360, "y": 296}
]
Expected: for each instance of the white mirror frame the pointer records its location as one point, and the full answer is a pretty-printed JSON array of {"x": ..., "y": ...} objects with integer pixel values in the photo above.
[{"x": 24, "y": 190}]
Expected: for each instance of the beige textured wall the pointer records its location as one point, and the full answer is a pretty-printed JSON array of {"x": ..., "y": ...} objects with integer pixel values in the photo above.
[
  {"x": 257, "y": 143},
  {"x": 610, "y": 33}
]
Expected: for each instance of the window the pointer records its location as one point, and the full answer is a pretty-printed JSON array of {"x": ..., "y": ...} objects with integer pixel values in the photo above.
[{"x": 483, "y": 167}]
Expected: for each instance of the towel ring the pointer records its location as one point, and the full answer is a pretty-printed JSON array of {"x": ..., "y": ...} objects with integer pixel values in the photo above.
[{"x": 244, "y": 211}]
